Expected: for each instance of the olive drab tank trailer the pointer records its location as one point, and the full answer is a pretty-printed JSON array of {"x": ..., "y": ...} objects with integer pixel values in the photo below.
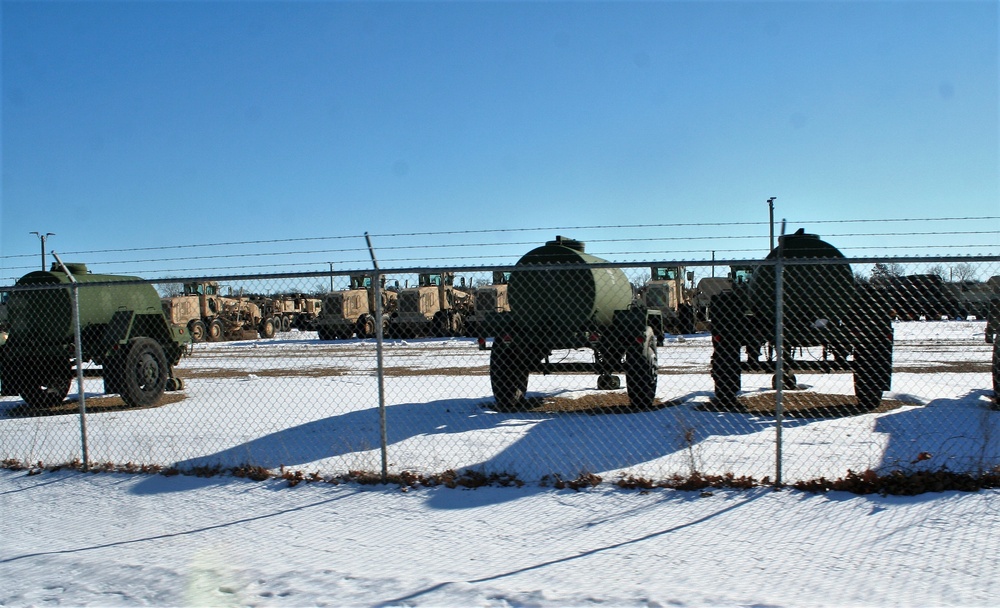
[
  {"x": 122, "y": 329},
  {"x": 560, "y": 299},
  {"x": 352, "y": 311},
  {"x": 822, "y": 307},
  {"x": 435, "y": 307},
  {"x": 208, "y": 315}
]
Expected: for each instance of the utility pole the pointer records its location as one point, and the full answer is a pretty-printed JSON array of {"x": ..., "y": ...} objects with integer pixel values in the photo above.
[
  {"x": 331, "y": 276},
  {"x": 42, "y": 237},
  {"x": 770, "y": 207}
]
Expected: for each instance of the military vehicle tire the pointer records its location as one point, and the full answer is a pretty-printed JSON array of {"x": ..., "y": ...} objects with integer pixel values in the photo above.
[
  {"x": 872, "y": 370},
  {"x": 996, "y": 372},
  {"x": 216, "y": 331},
  {"x": 509, "y": 371},
  {"x": 641, "y": 372},
  {"x": 324, "y": 333},
  {"x": 267, "y": 328},
  {"x": 197, "y": 330},
  {"x": 286, "y": 324},
  {"x": 46, "y": 385},
  {"x": 143, "y": 372},
  {"x": 366, "y": 327}
]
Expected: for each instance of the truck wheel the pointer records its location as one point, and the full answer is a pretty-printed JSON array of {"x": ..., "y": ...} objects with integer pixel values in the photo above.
[
  {"x": 366, "y": 327},
  {"x": 216, "y": 331},
  {"x": 46, "y": 384},
  {"x": 324, "y": 333},
  {"x": 143, "y": 372},
  {"x": 286, "y": 324},
  {"x": 457, "y": 324},
  {"x": 508, "y": 376},
  {"x": 267, "y": 328},
  {"x": 197, "y": 330},
  {"x": 439, "y": 324},
  {"x": 641, "y": 373}
]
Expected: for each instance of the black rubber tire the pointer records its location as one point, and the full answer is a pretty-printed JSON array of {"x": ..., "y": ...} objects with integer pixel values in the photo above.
[
  {"x": 641, "y": 370},
  {"x": 216, "y": 331},
  {"x": 45, "y": 384},
  {"x": 325, "y": 334},
  {"x": 996, "y": 372},
  {"x": 143, "y": 372},
  {"x": 509, "y": 373},
  {"x": 366, "y": 327},
  {"x": 286, "y": 324},
  {"x": 872, "y": 371},
  {"x": 267, "y": 328},
  {"x": 197, "y": 330}
]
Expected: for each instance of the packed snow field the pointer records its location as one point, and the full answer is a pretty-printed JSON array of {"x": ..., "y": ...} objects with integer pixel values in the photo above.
[{"x": 123, "y": 540}]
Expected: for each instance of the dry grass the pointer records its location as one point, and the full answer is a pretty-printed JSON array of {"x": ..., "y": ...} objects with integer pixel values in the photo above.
[
  {"x": 95, "y": 405},
  {"x": 805, "y": 404}
]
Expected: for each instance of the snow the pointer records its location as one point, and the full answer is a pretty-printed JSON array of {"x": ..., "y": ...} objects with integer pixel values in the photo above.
[{"x": 68, "y": 538}]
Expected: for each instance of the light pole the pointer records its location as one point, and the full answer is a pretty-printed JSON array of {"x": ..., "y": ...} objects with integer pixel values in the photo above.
[
  {"x": 331, "y": 276},
  {"x": 770, "y": 206},
  {"x": 42, "y": 237}
]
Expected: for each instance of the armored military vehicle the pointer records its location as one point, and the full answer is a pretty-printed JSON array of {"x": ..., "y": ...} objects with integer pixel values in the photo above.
[
  {"x": 209, "y": 315},
  {"x": 122, "y": 328},
  {"x": 435, "y": 307}
]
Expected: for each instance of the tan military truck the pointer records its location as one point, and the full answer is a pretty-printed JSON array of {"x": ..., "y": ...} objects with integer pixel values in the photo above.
[
  {"x": 488, "y": 299},
  {"x": 665, "y": 291},
  {"x": 209, "y": 315},
  {"x": 435, "y": 307},
  {"x": 351, "y": 311}
]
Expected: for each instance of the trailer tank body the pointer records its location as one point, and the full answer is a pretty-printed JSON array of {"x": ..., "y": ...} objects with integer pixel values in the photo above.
[
  {"x": 551, "y": 303},
  {"x": 45, "y": 317},
  {"x": 810, "y": 292}
]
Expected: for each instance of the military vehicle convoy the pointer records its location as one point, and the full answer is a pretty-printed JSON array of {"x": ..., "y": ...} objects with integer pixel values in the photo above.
[
  {"x": 822, "y": 307},
  {"x": 208, "y": 315},
  {"x": 123, "y": 329},
  {"x": 559, "y": 299},
  {"x": 435, "y": 307},
  {"x": 352, "y": 311}
]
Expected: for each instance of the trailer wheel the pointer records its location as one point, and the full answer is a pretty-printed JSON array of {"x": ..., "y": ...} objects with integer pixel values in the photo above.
[
  {"x": 267, "y": 328},
  {"x": 45, "y": 384},
  {"x": 197, "y": 330},
  {"x": 996, "y": 374},
  {"x": 641, "y": 372},
  {"x": 142, "y": 372},
  {"x": 509, "y": 372},
  {"x": 216, "y": 330},
  {"x": 872, "y": 370},
  {"x": 726, "y": 343}
]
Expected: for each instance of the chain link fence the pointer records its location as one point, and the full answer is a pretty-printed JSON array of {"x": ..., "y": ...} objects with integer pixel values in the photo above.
[{"x": 801, "y": 366}]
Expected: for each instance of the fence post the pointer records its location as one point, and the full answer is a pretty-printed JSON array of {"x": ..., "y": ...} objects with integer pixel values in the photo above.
[
  {"x": 75, "y": 302},
  {"x": 377, "y": 295},
  {"x": 779, "y": 364}
]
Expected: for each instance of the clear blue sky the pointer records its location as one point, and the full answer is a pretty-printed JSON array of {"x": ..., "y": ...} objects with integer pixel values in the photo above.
[{"x": 132, "y": 125}]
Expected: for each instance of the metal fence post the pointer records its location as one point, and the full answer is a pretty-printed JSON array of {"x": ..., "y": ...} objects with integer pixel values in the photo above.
[
  {"x": 75, "y": 300},
  {"x": 377, "y": 295},
  {"x": 779, "y": 364}
]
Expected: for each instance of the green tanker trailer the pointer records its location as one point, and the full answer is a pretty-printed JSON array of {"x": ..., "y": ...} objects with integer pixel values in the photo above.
[
  {"x": 821, "y": 307},
  {"x": 559, "y": 300},
  {"x": 122, "y": 329}
]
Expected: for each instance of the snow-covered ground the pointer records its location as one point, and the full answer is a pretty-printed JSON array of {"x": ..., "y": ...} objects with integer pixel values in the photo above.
[
  {"x": 72, "y": 539},
  {"x": 300, "y": 403},
  {"x": 68, "y": 538}
]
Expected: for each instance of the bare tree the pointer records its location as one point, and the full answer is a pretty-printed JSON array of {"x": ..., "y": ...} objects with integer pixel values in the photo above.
[
  {"x": 962, "y": 272},
  {"x": 939, "y": 270}
]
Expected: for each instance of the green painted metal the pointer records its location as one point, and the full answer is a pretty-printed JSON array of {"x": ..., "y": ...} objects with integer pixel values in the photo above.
[{"x": 556, "y": 301}]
